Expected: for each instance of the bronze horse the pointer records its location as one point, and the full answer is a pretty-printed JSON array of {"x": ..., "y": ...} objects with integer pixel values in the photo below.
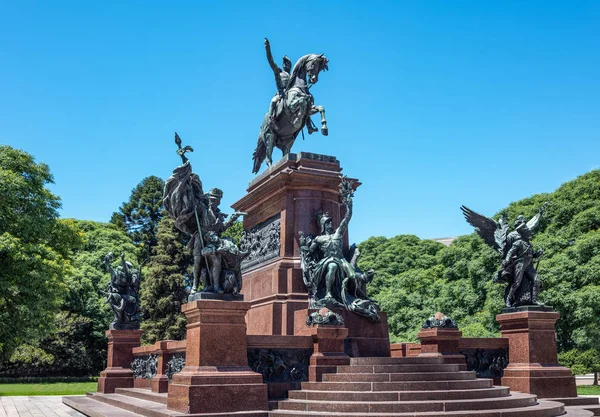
[{"x": 292, "y": 111}]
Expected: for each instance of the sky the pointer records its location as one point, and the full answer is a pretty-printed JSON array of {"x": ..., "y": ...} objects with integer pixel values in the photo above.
[{"x": 430, "y": 104}]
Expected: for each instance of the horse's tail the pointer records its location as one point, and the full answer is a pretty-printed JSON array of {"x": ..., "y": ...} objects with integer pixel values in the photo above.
[{"x": 260, "y": 153}]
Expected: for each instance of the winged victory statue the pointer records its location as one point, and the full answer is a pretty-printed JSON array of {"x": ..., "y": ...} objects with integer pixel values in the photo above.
[{"x": 517, "y": 253}]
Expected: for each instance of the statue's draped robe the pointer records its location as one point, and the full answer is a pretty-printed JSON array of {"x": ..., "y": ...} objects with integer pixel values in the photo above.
[
  {"x": 349, "y": 285},
  {"x": 521, "y": 266}
]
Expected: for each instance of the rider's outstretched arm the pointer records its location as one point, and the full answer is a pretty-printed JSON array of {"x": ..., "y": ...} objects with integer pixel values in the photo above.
[{"x": 274, "y": 67}]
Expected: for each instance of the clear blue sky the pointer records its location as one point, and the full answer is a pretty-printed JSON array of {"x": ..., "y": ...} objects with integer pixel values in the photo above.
[{"x": 431, "y": 104}]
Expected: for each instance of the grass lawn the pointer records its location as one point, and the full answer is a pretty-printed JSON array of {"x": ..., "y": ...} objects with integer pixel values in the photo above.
[
  {"x": 53, "y": 388},
  {"x": 588, "y": 390}
]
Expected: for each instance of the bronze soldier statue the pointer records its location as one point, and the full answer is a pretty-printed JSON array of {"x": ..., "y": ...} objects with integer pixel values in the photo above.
[
  {"x": 197, "y": 214},
  {"x": 122, "y": 294}
]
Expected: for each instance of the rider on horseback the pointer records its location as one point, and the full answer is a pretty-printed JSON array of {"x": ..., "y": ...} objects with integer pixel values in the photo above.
[{"x": 292, "y": 106}]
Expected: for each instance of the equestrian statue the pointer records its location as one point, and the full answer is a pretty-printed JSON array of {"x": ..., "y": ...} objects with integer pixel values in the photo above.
[{"x": 292, "y": 106}]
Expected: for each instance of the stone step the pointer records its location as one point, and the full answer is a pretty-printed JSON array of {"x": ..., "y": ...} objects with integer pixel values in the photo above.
[
  {"x": 397, "y": 368},
  {"x": 576, "y": 400},
  {"x": 594, "y": 409},
  {"x": 380, "y": 377},
  {"x": 93, "y": 408},
  {"x": 144, "y": 394},
  {"x": 492, "y": 392},
  {"x": 411, "y": 360},
  {"x": 517, "y": 400},
  {"x": 153, "y": 409},
  {"x": 575, "y": 412},
  {"x": 540, "y": 409},
  {"x": 398, "y": 386}
]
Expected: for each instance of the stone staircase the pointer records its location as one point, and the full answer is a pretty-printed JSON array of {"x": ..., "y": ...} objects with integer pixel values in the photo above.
[
  {"x": 377, "y": 387},
  {"x": 413, "y": 386}
]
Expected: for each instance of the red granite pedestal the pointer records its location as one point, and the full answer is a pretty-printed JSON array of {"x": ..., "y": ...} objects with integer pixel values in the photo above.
[
  {"x": 444, "y": 342},
  {"x": 118, "y": 372},
  {"x": 216, "y": 377},
  {"x": 533, "y": 366},
  {"x": 291, "y": 193},
  {"x": 364, "y": 339},
  {"x": 328, "y": 353},
  {"x": 160, "y": 381}
]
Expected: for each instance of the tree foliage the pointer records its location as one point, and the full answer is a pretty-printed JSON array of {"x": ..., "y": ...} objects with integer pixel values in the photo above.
[
  {"x": 164, "y": 289},
  {"x": 582, "y": 362},
  {"x": 35, "y": 247},
  {"x": 234, "y": 232},
  {"x": 418, "y": 277},
  {"x": 139, "y": 216}
]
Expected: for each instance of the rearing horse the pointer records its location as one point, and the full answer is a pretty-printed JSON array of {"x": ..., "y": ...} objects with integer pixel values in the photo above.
[{"x": 291, "y": 112}]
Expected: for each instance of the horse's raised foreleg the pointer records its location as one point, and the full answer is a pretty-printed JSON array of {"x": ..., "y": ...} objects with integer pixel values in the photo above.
[{"x": 320, "y": 109}]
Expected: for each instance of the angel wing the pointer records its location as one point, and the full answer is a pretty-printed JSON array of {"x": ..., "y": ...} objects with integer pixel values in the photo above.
[{"x": 493, "y": 233}]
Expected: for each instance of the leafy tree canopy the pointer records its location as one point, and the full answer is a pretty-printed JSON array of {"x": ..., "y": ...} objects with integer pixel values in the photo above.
[{"x": 34, "y": 249}]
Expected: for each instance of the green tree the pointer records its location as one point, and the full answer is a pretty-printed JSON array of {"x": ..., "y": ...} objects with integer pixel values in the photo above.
[
  {"x": 581, "y": 362},
  {"x": 235, "y": 232},
  {"x": 139, "y": 216},
  {"x": 164, "y": 289},
  {"x": 34, "y": 250}
]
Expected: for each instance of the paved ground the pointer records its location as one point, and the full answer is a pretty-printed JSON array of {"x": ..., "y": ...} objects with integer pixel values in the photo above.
[{"x": 42, "y": 406}]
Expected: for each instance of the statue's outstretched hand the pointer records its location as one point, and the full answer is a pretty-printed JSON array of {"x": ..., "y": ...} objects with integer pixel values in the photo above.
[{"x": 237, "y": 215}]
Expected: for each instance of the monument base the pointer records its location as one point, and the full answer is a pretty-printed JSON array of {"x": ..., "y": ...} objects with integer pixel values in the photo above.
[
  {"x": 533, "y": 366},
  {"x": 328, "y": 343},
  {"x": 216, "y": 377},
  {"x": 198, "y": 390},
  {"x": 281, "y": 202},
  {"x": 118, "y": 372}
]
